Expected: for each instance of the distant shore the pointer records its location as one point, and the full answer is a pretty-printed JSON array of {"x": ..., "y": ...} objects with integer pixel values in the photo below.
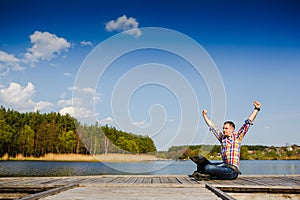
[{"x": 85, "y": 158}]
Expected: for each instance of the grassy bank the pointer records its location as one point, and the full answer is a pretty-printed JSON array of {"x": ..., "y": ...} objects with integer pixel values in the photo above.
[{"x": 85, "y": 158}]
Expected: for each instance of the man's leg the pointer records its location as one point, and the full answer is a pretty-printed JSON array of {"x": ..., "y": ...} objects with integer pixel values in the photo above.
[
  {"x": 201, "y": 161},
  {"x": 220, "y": 172}
]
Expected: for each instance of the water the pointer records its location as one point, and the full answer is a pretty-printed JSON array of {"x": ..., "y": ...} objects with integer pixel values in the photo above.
[{"x": 44, "y": 168}]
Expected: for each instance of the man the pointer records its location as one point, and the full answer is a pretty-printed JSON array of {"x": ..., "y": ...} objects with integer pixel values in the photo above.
[{"x": 230, "y": 149}]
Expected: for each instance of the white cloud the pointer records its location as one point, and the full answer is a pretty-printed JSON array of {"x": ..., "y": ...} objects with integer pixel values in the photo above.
[
  {"x": 43, "y": 105},
  {"x": 140, "y": 123},
  {"x": 80, "y": 113},
  {"x": 9, "y": 61},
  {"x": 129, "y": 25},
  {"x": 20, "y": 98},
  {"x": 64, "y": 102},
  {"x": 16, "y": 94},
  {"x": 5, "y": 57},
  {"x": 134, "y": 31},
  {"x": 77, "y": 108},
  {"x": 83, "y": 90},
  {"x": 66, "y": 110},
  {"x": 87, "y": 91},
  {"x": 45, "y": 46},
  {"x": 70, "y": 102},
  {"x": 86, "y": 43},
  {"x": 67, "y": 74},
  {"x": 4, "y": 70},
  {"x": 107, "y": 120}
]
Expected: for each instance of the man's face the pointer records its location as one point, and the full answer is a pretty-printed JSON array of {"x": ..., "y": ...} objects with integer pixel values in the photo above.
[{"x": 228, "y": 129}]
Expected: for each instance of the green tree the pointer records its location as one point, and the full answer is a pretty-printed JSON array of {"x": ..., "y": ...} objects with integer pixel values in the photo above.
[
  {"x": 26, "y": 141},
  {"x": 271, "y": 154},
  {"x": 67, "y": 142},
  {"x": 244, "y": 153},
  {"x": 6, "y": 133}
]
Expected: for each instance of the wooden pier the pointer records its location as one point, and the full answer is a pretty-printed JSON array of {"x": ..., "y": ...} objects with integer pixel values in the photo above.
[{"x": 145, "y": 187}]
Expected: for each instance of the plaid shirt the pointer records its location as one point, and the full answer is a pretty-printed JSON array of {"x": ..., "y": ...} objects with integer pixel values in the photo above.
[{"x": 231, "y": 146}]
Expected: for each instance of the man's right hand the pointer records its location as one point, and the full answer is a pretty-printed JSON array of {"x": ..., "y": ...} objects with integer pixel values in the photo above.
[
  {"x": 204, "y": 112},
  {"x": 257, "y": 104}
]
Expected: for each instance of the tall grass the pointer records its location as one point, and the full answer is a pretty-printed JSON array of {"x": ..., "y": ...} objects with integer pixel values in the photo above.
[{"x": 85, "y": 158}]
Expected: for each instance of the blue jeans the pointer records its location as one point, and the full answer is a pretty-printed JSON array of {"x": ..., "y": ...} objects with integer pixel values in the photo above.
[{"x": 220, "y": 172}]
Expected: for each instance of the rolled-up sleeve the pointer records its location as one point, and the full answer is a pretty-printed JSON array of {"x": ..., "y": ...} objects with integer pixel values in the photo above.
[
  {"x": 216, "y": 132},
  {"x": 244, "y": 129}
]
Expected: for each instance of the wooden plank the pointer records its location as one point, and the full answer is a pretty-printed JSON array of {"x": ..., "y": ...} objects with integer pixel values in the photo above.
[
  {"x": 164, "y": 180},
  {"x": 112, "y": 180},
  {"x": 117, "y": 180},
  {"x": 134, "y": 192},
  {"x": 173, "y": 180},
  {"x": 288, "y": 181},
  {"x": 48, "y": 192},
  {"x": 8, "y": 196},
  {"x": 219, "y": 192},
  {"x": 90, "y": 180},
  {"x": 24, "y": 189},
  {"x": 147, "y": 180},
  {"x": 20, "y": 181},
  {"x": 269, "y": 181},
  {"x": 295, "y": 178},
  {"x": 155, "y": 180},
  {"x": 60, "y": 181},
  {"x": 131, "y": 180},
  {"x": 258, "y": 181},
  {"x": 139, "y": 180},
  {"x": 255, "y": 181},
  {"x": 48, "y": 181},
  {"x": 105, "y": 180},
  {"x": 186, "y": 181},
  {"x": 259, "y": 189},
  {"x": 263, "y": 196},
  {"x": 34, "y": 181}
]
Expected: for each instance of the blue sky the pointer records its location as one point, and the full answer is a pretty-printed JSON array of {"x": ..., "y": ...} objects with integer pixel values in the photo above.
[{"x": 255, "y": 46}]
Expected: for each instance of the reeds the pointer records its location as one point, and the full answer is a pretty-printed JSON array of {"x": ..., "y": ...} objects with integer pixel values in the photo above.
[{"x": 85, "y": 158}]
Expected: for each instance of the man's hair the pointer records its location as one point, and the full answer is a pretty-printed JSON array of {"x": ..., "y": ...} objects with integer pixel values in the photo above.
[{"x": 230, "y": 123}]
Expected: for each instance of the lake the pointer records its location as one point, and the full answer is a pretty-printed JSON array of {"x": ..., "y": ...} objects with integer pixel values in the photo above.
[{"x": 44, "y": 168}]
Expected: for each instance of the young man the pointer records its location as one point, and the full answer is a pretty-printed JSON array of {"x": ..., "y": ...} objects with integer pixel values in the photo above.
[{"x": 230, "y": 148}]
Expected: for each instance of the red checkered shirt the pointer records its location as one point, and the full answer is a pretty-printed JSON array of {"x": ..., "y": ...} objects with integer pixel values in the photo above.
[{"x": 231, "y": 146}]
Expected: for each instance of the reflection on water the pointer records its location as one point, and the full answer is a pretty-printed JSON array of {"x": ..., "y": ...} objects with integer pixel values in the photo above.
[{"x": 43, "y": 168}]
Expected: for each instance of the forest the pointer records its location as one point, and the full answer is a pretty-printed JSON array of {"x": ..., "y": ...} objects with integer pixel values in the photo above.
[{"x": 36, "y": 134}]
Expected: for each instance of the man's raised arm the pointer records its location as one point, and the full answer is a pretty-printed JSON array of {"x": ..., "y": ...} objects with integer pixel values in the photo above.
[
  {"x": 211, "y": 125},
  {"x": 257, "y": 106},
  {"x": 206, "y": 119}
]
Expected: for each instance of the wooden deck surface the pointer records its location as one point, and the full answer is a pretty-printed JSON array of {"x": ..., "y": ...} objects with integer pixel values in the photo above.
[{"x": 149, "y": 187}]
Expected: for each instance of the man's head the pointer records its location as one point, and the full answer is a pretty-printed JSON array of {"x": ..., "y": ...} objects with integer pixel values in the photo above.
[{"x": 228, "y": 128}]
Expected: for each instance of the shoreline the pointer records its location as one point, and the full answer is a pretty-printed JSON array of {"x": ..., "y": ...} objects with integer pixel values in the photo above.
[{"x": 85, "y": 158}]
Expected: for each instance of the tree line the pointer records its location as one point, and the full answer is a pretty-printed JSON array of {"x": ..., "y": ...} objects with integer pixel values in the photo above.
[
  {"x": 248, "y": 152},
  {"x": 36, "y": 134}
]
